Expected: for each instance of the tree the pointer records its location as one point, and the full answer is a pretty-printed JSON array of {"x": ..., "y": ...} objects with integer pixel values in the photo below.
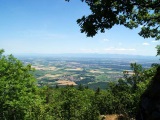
[
  {"x": 18, "y": 98},
  {"x": 69, "y": 103},
  {"x": 127, "y": 91},
  {"x": 129, "y": 13}
]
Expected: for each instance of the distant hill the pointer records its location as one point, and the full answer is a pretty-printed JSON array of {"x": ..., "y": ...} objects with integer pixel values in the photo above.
[{"x": 88, "y": 55}]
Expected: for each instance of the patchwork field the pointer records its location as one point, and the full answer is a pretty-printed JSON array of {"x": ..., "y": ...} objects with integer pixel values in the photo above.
[
  {"x": 65, "y": 82},
  {"x": 89, "y": 71}
]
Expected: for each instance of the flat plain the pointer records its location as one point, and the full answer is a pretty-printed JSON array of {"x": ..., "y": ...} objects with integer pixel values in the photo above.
[{"x": 92, "y": 71}]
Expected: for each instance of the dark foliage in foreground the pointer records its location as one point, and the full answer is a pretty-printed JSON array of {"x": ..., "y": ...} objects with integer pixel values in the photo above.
[{"x": 20, "y": 98}]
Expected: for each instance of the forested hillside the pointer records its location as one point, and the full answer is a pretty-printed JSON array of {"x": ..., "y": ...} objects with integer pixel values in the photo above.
[{"x": 21, "y": 98}]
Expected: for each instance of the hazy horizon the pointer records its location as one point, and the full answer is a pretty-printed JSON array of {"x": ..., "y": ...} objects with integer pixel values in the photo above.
[{"x": 82, "y": 54}]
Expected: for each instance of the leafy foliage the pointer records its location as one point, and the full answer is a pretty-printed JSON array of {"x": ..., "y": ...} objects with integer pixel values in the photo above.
[
  {"x": 130, "y": 13},
  {"x": 17, "y": 89},
  {"x": 20, "y": 98},
  {"x": 82, "y": 103},
  {"x": 128, "y": 90}
]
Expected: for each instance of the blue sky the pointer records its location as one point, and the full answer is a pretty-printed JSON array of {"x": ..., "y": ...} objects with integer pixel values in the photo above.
[{"x": 49, "y": 27}]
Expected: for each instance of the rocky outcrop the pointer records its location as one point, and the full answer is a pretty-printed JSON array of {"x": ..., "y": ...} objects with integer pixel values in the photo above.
[{"x": 149, "y": 108}]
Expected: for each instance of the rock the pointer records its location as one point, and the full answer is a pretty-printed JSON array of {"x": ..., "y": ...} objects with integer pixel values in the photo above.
[{"x": 149, "y": 108}]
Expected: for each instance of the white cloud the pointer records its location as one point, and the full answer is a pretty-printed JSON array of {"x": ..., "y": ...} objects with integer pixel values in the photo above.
[
  {"x": 108, "y": 50},
  {"x": 105, "y": 40},
  {"x": 145, "y": 44},
  {"x": 119, "y": 49}
]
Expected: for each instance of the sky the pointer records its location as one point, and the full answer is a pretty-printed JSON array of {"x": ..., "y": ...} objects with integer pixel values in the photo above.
[{"x": 49, "y": 27}]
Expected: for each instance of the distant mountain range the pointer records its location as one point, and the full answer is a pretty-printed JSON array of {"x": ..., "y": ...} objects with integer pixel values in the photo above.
[{"x": 86, "y": 55}]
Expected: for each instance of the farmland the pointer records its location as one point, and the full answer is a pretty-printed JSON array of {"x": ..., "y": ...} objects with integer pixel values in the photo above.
[{"x": 89, "y": 71}]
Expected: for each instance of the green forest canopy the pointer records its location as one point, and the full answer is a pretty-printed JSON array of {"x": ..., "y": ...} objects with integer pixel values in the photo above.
[{"x": 22, "y": 99}]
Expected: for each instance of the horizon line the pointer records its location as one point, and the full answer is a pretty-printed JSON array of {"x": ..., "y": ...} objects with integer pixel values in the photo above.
[{"x": 21, "y": 54}]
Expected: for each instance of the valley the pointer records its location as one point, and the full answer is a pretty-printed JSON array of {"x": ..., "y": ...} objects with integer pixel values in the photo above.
[{"x": 90, "y": 71}]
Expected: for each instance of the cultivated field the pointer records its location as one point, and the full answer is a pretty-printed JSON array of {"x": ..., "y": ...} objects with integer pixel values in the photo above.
[{"x": 92, "y": 72}]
